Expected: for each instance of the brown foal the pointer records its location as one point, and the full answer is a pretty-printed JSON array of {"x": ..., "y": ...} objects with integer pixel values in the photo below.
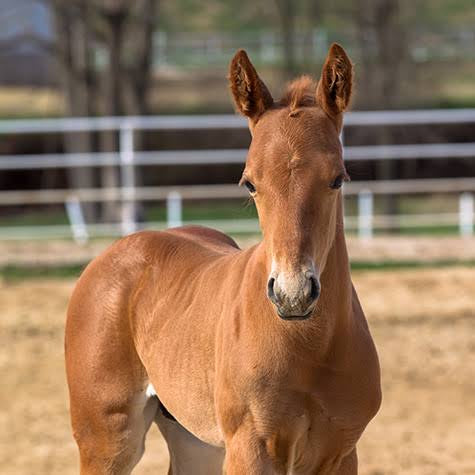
[{"x": 255, "y": 361}]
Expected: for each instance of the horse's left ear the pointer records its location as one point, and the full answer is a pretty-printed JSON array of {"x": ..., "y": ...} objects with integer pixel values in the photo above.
[{"x": 335, "y": 85}]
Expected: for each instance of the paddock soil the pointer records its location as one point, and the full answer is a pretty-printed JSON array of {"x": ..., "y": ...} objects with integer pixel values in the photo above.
[{"x": 423, "y": 324}]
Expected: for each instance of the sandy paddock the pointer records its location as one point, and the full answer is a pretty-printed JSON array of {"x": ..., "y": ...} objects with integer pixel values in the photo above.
[{"x": 423, "y": 324}]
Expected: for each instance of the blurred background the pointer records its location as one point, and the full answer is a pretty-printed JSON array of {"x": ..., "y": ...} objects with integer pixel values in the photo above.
[{"x": 116, "y": 116}]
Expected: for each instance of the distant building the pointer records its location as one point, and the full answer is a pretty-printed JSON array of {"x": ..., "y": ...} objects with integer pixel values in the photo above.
[{"x": 26, "y": 26}]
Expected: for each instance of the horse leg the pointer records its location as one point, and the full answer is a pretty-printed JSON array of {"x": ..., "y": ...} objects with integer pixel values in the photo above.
[
  {"x": 111, "y": 434},
  {"x": 188, "y": 454},
  {"x": 247, "y": 455},
  {"x": 110, "y": 409},
  {"x": 349, "y": 465}
]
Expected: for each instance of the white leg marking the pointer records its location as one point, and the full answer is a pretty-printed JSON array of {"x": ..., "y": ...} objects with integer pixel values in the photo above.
[{"x": 150, "y": 391}]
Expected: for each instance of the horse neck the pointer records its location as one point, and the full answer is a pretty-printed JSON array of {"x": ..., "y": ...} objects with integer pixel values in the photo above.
[
  {"x": 337, "y": 267},
  {"x": 333, "y": 314},
  {"x": 336, "y": 277}
]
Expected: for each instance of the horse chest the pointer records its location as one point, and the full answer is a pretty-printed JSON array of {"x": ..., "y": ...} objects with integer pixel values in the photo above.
[
  {"x": 308, "y": 419},
  {"x": 303, "y": 434}
]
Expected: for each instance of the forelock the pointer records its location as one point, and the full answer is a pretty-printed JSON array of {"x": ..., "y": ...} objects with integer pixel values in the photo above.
[{"x": 300, "y": 93}]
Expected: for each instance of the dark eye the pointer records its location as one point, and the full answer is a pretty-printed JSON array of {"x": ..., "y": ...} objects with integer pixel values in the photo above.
[
  {"x": 337, "y": 182},
  {"x": 251, "y": 188}
]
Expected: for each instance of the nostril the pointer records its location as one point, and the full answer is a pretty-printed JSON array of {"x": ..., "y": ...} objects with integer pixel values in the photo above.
[
  {"x": 270, "y": 290},
  {"x": 314, "y": 288}
]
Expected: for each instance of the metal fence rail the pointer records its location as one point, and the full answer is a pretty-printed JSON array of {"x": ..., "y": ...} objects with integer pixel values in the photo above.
[
  {"x": 127, "y": 158},
  {"x": 224, "y": 121},
  {"x": 212, "y": 192},
  {"x": 227, "y": 156}
]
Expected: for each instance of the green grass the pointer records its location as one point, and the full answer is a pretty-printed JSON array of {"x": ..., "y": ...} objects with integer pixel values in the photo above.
[
  {"x": 35, "y": 218},
  {"x": 16, "y": 273},
  {"x": 408, "y": 264},
  {"x": 207, "y": 211},
  {"x": 242, "y": 209},
  {"x": 422, "y": 231}
]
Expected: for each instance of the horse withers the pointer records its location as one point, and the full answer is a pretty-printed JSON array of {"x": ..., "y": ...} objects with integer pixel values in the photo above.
[{"x": 255, "y": 361}]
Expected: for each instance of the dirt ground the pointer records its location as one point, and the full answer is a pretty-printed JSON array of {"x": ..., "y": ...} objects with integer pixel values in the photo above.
[{"x": 423, "y": 324}]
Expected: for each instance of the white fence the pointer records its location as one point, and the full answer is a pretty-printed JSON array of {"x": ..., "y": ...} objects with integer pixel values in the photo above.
[{"x": 127, "y": 158}]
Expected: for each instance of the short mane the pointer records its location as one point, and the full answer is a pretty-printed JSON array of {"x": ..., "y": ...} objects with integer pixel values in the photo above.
[{"x": 301, "y": 92}]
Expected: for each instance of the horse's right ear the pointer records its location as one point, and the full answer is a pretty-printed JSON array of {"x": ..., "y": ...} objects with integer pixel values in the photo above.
[{"x": 251, "y": 96}]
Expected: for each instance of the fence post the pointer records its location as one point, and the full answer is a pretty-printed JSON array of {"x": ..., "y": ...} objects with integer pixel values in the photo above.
[
  {"x": 76, "y": 220},
  {"x": 466, "y": 214},
  {"x": 127, "y": 174},
  {"x": 365, "y": 214},
  {"x": 174, "y": 209}
]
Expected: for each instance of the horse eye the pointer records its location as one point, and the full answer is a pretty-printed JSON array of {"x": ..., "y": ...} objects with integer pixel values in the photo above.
[
  {"x": 251, "y": 188},
  {"x": 336, "y": 184}
]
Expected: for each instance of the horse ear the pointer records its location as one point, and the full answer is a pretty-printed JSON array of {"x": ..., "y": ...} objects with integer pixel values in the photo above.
[
  {"x": 334, "y": 87},
  {"x": 251, "y": 96}
]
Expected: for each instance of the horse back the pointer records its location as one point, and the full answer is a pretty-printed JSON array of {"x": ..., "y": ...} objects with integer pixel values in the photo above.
[{"x": 208, "y": 237}]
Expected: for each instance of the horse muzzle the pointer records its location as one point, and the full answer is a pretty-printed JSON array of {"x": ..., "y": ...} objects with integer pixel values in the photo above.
[{"x": 294, "y": 295}]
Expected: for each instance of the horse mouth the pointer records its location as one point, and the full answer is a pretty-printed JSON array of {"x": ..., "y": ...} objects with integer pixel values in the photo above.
[{"x": 295, "y": 317}]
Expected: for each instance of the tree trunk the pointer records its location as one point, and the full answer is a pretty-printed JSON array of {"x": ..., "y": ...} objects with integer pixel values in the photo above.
[
  {"x": 142, "y": 74},
  {"x": 76, "y": 76},
  {"x": 113, "y": 105},
  {"x": 382, "y": 49},
  {"x": 286, "y": 9},
  {"x": 123, "y": 89}
]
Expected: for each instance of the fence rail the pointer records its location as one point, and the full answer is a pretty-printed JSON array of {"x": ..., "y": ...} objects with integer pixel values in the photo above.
[
  {"x": 224, "y": 121},
  {"x": 211, "y": 192},
  {"x": 127, "y": 158},
  {"x": 227, "y": 156}
]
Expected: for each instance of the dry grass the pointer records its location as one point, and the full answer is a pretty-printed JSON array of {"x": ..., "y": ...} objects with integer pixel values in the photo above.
[
  {"x": 30, "y": 102},
  {"x": 422, "y": 321}
]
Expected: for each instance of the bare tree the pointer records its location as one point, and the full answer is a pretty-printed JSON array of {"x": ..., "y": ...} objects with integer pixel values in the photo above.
[
  {"x": 140, "y": 72},
  {"x": 383, "y": 45},
  {"x": 287, "y": 14},
  {"x": 314, "y": 12},
  {"x": 129, "y": 29},
  {"x": 78, "y": 79},
  {"x": 123, "y": 30},
  {"x": 382, "y": 39}
]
